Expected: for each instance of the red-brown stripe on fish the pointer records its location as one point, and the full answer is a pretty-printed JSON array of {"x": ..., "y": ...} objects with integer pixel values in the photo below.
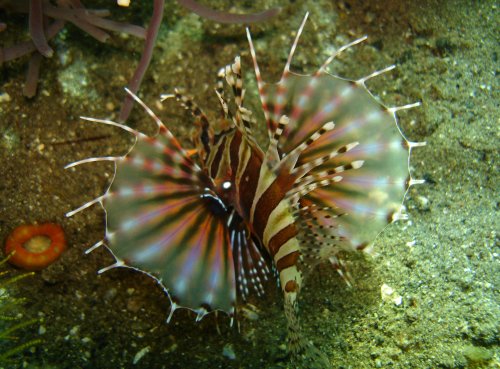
[{"x": 205, "y": 225}]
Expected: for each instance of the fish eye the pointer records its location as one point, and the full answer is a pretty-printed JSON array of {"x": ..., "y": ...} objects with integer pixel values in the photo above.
[{"x": 226, "y": 185}]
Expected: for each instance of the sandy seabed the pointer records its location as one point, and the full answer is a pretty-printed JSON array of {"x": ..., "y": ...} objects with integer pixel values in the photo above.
[{"x": 443, "y": 262}]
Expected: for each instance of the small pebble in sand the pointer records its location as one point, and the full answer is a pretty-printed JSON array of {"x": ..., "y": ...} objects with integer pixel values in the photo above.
[{"x": 4, "y": 97}]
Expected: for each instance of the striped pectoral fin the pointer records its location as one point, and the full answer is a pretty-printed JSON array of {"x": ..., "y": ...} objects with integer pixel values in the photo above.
[
  {"x": 358, "y": 169},
  {"x": 182, "y": 242},
  {"x": 369, "y": 196},
  {"x": 163, "y": 219}
]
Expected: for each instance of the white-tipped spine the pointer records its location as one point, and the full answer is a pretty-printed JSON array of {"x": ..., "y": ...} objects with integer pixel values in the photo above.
[
  {"x": 118, "y": 263},
  {"x": 146, "y": 108},
  {"x": 411, "y": 145},
  {"x": 260, "y": 83},
  {"x": 111, "y": 123},
  {"x": 414, "y": 182},
  {"x": 86, "y": 205},
  {"x": 294, "y": 46},
  {"x": 338, "y": 52},
  {"x": 95, "y": 246},
  {"x": 93, "y": 160},
  {"x": 404, "y": 107},
  {"x": 362, "y": 81}
]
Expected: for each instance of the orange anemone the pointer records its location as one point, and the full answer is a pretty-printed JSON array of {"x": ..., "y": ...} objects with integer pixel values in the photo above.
[{"x": 34, "y": 247}]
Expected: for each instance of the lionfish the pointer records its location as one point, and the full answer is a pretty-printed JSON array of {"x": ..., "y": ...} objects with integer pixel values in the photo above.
[{"x": 204, "y": 222}]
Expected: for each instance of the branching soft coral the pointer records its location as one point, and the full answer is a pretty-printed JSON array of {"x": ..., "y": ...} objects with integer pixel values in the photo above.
[{"x": 47, "y": 19}]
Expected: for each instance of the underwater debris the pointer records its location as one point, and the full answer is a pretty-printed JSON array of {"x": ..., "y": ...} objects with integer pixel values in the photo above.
[
  {"x": 208, "y": 225},
  {"x": 34, "y": 247},
  {"x": 228, "y": 351},
  {"x": 390, "y": 295},
  {"x": 9, "y": 313},
  {"x": 140, "y": 354}
]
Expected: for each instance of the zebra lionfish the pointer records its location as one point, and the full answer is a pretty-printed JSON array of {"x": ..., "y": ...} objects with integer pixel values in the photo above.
[{"x": 204, "y": 221}]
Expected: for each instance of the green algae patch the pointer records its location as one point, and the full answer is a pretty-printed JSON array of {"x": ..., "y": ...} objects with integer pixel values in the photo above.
[{"x": 477, "y": 356}]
